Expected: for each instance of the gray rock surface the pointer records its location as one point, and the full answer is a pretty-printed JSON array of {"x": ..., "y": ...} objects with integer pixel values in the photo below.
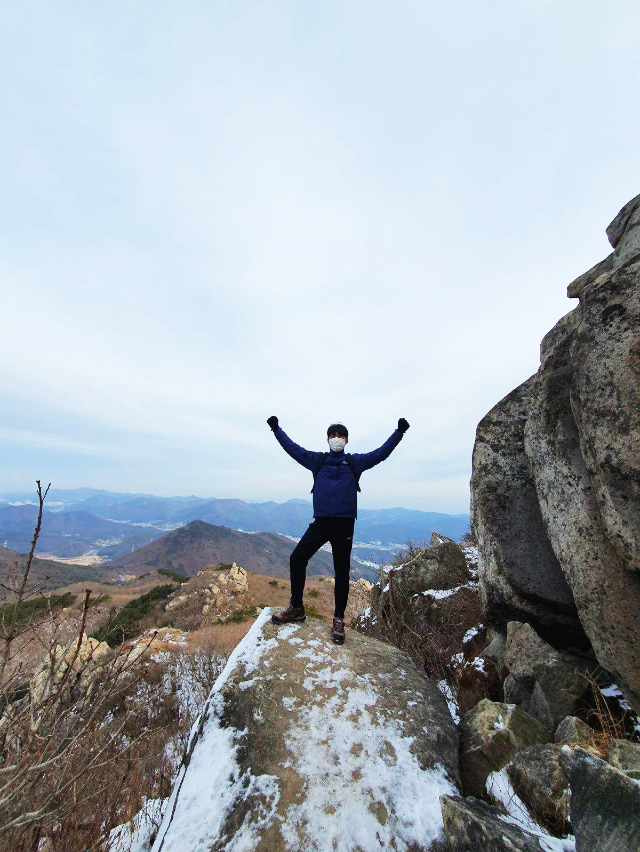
[
  {"x": 305, "y": 744},
  {"x": 474, "y": 826},
  {"x": 605, "y": 399},
  {"x": 573, "y": 731},
  {"x": 520, "y": 577},
  {"x": 547, "y": 683},
  {"x": 605, "y": 806},
  {"x": 540, "y": 777},
  {"x": 624, "y": 233},
  {"x": 606, "y": 594},
  {"x": 625, "y": 756},
  {"x": 495, "y": 650},
  {"x": 556, "y": 475},
  {"x": 490, "y": 736}
]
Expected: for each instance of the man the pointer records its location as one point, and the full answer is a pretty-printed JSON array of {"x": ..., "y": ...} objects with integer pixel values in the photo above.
[{"x": 336, "y": 483}]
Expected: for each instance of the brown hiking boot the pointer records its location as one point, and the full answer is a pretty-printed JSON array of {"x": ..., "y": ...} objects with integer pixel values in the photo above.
[
  {"x": 291, "y": 613},
  {"x": 337, "y": 630}
]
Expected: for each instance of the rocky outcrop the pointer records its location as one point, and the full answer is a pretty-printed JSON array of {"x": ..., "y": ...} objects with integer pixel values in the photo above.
[
  {"x": 556, "y": 475},
  {"x": 216, "y": 591},
  {"x": 76, "y": 665},
  {"x": 304, "y": 744}
]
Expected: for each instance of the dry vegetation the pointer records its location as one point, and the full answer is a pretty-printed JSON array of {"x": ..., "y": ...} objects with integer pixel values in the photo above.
[{"x": 84, "y": 734}]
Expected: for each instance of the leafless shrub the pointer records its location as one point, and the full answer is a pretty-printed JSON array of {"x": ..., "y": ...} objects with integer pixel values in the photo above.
[{"x": 83, "y": 736}]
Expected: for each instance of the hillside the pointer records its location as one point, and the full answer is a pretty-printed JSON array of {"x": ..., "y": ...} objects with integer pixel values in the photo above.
[
  {"x": 197, "y": 544},
  {"x": 59, "y": 573}
]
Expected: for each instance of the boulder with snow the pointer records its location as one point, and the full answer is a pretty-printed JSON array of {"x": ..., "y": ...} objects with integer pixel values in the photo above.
[
  {"x": 490, "y": 736},
  {"x": 305, "y": 744},
  {"x": 429, "y": 606},
  {"x": 474, "y": 826},
  {"x": 573, "y": 731}
]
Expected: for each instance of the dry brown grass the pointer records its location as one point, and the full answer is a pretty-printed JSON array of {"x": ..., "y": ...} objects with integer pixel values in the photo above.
[{"x": 606, "y": 718}]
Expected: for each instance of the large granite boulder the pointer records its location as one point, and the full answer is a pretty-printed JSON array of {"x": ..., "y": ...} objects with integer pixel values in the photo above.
[
  {"x": 605, "y": 806},
  {"x": 607, "y": 595},
  {"x": 490, "y": 736},
  {"x": 557, "y": 474},
  {"x": 305, "y": 744},
  {"x": 520, "y": 576}
]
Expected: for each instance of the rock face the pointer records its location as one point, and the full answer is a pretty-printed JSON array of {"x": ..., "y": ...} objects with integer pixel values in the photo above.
[
  {"x": 520, "y": 576},
  {"x": 490, "y": 736},
  {"x": 304, "y": 744},
  {"x": 540, "y": 777},
  {"x": 625, "y": 756},
  {"x": 475, "y": 826},
  {"x": 605, "y": 804},
  {"x": 556, "y": 474},
  {"x": 79, "y": 664},
  {"x": 545, "y": 682}
]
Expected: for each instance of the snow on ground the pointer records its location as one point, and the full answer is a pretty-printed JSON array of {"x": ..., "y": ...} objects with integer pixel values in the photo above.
[
  {"x": 499, "y": 787},
  {"x": 452, "y": 703},
  {"x": 347, "y": 730},
  {"x": 135, "y": 836},
  {"x": 471, "y": 633},
  {"x": 614, "y": 691},
  {"x": 441, "y": 594},
  {"x": 207, "y": 791}
]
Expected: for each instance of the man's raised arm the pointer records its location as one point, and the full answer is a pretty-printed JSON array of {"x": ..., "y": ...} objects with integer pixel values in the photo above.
[
  {"x": 307, "y": 458},
  {"x": 364, "y": 461}
]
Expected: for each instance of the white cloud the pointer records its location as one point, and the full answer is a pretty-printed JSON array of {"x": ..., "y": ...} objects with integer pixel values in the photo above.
[{"x": 324, "y": 212}]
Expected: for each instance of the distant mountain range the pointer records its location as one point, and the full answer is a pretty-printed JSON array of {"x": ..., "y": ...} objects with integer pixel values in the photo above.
[
  {"x": 134, "y": 533},
  {"x": 112, "y": 524}
]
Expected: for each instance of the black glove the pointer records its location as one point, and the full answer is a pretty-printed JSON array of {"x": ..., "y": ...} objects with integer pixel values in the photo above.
[
  {"x": 273, "y": 422},
  {"x": 403, "y": 425}
]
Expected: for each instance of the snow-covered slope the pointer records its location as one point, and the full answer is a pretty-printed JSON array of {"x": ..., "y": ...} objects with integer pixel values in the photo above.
[{"x": 304, "y": 744}]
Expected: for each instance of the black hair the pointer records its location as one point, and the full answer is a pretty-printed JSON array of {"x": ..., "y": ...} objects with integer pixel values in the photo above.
[{"x": 338, "y": 429}]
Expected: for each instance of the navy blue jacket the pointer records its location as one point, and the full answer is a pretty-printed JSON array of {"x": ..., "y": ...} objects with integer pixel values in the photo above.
[{"x": 335, "y": 494}]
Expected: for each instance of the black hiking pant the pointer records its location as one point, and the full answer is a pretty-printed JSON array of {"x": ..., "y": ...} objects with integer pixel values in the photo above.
[{"x": 337, "y": 531}]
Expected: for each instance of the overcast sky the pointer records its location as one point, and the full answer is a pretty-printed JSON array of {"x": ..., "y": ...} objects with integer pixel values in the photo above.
[{"x": 217, "y": 211}]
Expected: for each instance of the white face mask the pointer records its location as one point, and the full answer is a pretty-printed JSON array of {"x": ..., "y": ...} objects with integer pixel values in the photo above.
[{"x": 337, "y": 444}]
